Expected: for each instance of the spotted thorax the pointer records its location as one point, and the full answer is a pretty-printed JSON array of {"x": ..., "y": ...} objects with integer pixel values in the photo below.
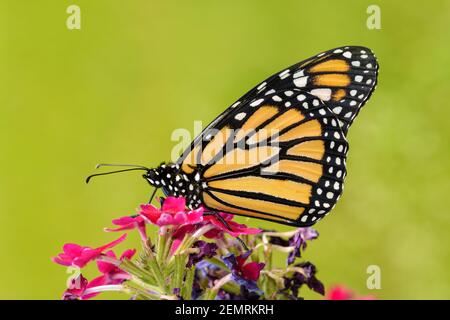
[{"x": 176, "y": 183}]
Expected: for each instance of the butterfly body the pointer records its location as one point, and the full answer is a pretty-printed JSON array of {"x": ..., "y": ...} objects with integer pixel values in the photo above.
[
  {"x": 279, "y": 152},
  {"x": 174, "y": 182}
]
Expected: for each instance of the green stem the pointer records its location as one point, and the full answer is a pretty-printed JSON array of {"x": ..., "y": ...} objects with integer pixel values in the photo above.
[
  {"x": 211, "y": 294},
  {"x": 216, "y": 261},
  {"x": 140, "y": 293},
  {"x": 161, "y": 249},
  {"x": 146, "y": 285},
  {"x": 180, "y": 263},
  {"x": 157, "y": 273},
  {"x": 135, "y": 270},
  {"x": 231, "y": 287},
  {"x": 268, "y": 257},
  {"x": 189, "y": 241},
  {"x": 186, "y": 291}
]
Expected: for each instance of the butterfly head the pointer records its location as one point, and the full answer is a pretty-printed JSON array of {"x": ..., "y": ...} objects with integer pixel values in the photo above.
[
  {"x": 174, "y": 182},
  {"x": 162, "y": 175}
]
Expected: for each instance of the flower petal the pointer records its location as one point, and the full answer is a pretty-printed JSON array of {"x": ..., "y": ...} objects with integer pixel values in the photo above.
[
  {"x": 174, "y": 205},
  {"x": 105, "y": 267},
  {"x": 150, "y": 212},
  {"x": 128, "y": 254},
  {"x": 252, "y": 270},
  {"x": 112, "y": 243},
  {"x": 165, "y": 219}
]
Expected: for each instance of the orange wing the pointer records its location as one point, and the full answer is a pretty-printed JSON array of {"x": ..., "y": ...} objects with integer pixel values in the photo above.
[{"x": 289, "y": 167}]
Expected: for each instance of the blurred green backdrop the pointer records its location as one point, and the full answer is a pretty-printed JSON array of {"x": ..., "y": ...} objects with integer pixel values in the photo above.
[{"x": 116, "y": 89}]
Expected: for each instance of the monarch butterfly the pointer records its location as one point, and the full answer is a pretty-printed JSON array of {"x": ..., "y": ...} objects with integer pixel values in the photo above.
[{"x": 298, "y": 120}]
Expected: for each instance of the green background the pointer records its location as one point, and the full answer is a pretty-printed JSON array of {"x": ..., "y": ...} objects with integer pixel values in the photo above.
[{"x": 116, "y": 89}]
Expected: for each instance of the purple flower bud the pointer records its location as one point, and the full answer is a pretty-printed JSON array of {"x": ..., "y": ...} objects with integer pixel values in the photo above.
[
  {"x": 298, "y": 241},
  {"x": 177, "y": 292},
  {"x": 207, "y": 250},
  {"x": 298, "y": 279},
  {"x": 245, "y": 274}
]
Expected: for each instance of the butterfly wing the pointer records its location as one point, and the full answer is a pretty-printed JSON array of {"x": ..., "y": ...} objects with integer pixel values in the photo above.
[
  {"x": 343, "y": 78},
  {"x": 281, "y": 158},
  {"x": 334, "y": 85}
]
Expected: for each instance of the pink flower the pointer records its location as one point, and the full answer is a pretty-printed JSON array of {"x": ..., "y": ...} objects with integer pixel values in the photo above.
[
  {"x": 78, "y": 287},
  {"x": 112, "y": 274},
  {"x": 237, "y": 229},
  {"x": 129, "y": 223},
  {"x": 217, "y": 232},
  {"x": 76, "y": 255},
  {"x": 342, "y": 293},
  {"x": 173, "y": 212}
]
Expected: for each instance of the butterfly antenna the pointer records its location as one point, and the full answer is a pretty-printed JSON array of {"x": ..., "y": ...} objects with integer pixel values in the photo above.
[
  {"x": 100, "y": 165},
  {"x": 111, "y": 172}
]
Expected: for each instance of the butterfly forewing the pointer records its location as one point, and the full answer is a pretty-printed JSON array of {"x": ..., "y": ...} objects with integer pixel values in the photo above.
[
  {"x": 343, "y": 78},
  {"x": 278, "y": 153}
]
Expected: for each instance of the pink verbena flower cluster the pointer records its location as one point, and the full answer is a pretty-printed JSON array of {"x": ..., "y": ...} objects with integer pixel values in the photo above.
[{"x": 194, "y": 255}]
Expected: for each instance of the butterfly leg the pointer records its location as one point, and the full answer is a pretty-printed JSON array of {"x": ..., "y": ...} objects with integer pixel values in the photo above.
[
  {"x": 225, "y": 223},
  {"x": 153, "y": 195}
]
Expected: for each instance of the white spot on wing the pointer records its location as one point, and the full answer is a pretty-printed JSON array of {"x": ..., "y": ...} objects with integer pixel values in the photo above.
[
  {"x": 262, "y": 85},
  {"x": 284, "y": 73},
  {"x": 235, "y": 104},
  {"x": 288, "y": 93},
  {"x": 276, "y": 98},
  {"x": 270, "y": 92},
  {"x": 301, "y": 82},
  {"x": 298, "y": 74},
  {"x": 256, "y": 103},
  {"x": 240, "y": 116},
  {"x": 337, "y": 110},
  {"x": 323, "y": 94}
]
